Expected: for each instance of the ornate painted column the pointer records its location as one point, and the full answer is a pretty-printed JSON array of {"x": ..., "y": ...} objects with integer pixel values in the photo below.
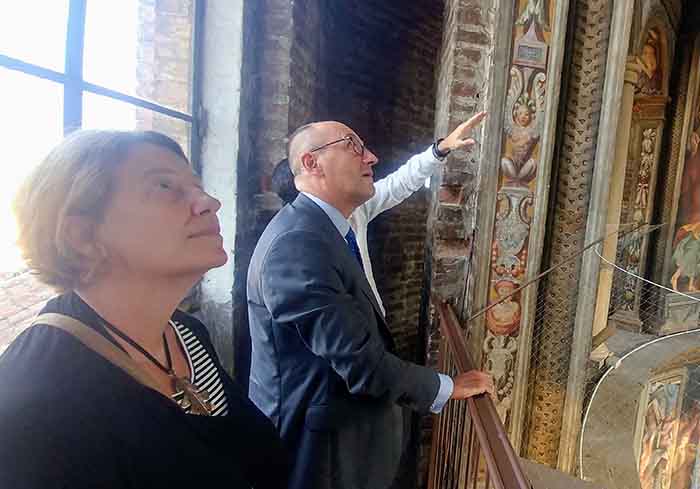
[
  {"x": 513, "y": 205},
  {"x": 648, "y": 120}
]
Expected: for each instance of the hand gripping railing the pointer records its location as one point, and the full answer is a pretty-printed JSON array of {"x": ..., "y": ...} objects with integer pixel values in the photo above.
[{"x": 489, "y": 459}]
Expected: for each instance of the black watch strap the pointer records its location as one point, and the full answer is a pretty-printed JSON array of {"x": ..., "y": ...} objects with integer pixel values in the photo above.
[{"x": 440, "y": 155}]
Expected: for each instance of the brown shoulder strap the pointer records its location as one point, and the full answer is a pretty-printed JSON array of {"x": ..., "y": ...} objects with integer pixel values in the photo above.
[{"x": 97, "y": 343}]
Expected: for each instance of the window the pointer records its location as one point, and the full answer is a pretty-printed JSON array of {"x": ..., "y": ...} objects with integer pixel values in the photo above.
[{"x": 70, "y": 64}]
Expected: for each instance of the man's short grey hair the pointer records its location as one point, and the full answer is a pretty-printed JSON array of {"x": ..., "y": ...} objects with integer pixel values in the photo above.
[{"x": 294, "y": 160}]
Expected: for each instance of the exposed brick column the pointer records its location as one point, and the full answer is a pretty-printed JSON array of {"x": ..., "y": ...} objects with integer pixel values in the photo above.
[
  {"x": 463, "y": 71},
  {"x": 465, "y": 59},
  {"x": 267, "y": 39}
]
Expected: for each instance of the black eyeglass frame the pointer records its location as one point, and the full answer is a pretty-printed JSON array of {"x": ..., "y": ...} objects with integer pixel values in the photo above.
[{"x": 353, "y": 142}]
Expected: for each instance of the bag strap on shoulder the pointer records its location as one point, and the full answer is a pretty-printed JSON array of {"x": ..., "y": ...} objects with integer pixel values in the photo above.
[{"x": 97, "y": 343}]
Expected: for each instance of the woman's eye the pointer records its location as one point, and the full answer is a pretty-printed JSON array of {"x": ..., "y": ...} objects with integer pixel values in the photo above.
[
  {"x": 165, "y": 185},
  {"x": 168, "y": 189}
]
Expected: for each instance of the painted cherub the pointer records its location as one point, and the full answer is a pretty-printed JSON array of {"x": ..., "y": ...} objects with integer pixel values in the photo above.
[{"x": 524, "y": 124}]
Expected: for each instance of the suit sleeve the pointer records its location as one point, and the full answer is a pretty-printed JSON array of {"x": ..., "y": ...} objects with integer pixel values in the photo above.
[{"x": 302, "y": 285}]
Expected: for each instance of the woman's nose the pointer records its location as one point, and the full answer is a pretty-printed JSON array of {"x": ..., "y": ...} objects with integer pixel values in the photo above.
[{"x": 204, "y": 203}]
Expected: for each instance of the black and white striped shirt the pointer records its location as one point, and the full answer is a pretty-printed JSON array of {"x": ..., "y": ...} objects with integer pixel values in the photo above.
[{"x": 204, "y": 374}]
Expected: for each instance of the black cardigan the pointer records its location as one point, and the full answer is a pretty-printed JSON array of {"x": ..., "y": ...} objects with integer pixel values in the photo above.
[{"x": 69, "y": 418}]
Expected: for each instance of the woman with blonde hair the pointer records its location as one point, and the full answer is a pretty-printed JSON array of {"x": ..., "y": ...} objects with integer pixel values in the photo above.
[{"x": 112, "y": 386}]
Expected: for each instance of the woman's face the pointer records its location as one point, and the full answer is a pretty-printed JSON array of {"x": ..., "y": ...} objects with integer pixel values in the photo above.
[{"x": 159, "y": 221}]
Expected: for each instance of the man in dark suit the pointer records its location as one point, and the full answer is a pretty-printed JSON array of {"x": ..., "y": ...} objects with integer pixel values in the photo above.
[{"x": 322, "y": 364}]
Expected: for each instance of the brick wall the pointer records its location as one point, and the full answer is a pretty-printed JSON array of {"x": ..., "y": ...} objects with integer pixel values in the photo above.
[
  {"x": 22, "y": 296},
  {"x": 381, "y": 59},
  {"x": 308, "y": 70},
  {"x": 164, "y": 67}
]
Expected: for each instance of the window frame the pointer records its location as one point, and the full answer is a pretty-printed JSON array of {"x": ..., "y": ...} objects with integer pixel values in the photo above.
[{"x": 74, "y": 85}]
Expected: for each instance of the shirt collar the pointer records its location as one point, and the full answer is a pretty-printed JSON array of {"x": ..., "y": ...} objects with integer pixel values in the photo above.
[{"x": 338, "y": 220}]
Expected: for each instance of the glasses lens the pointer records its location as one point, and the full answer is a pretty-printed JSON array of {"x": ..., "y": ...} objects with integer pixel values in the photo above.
[{"x": 357, "y": 146}]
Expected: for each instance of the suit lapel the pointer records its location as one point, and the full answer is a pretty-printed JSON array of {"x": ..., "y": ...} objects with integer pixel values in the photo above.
[{"x": 329, "y": 229}]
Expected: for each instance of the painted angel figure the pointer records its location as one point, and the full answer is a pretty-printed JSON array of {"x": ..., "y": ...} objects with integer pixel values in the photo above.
[
  {"x": 537, "y": 10},
  {"x": 523, "y": 125}
]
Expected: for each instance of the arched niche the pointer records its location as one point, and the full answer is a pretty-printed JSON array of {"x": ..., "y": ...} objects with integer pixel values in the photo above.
[
  {"x": 651, "y": 62},
  {"x": 656, "y": 15}
]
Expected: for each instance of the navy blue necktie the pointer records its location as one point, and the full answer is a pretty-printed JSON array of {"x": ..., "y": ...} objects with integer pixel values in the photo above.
[{"x": 352, "y": 246}]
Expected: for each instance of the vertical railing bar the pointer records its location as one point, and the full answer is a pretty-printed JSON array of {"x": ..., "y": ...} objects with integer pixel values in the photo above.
[
  {"x": 470, "y": 451},
  {"x": 461, "y": 425},
  {"x": 448, "y": 441},
  {"x": 475, "y": 467},
  {"x": 453, "y": 443},
  {"x": 436, "y": 453},
  {"x": 487, "y": 480}
]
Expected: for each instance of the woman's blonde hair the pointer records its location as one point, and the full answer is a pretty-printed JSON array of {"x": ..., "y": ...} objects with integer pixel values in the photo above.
[{"x": 75, "y": 179}]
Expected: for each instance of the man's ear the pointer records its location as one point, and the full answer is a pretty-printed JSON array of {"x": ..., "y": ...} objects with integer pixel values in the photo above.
[{"x": 309, "y": 164}]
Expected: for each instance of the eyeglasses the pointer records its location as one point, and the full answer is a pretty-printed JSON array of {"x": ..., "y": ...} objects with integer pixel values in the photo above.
[{"x": 357, "y": 147}]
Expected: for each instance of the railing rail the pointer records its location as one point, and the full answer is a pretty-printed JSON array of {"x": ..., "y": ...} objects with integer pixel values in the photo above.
[{"x": 479, "y": 428}]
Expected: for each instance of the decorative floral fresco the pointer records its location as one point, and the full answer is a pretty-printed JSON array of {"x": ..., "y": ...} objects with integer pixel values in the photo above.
[
  {"x": 631, "y": 255},
  {"x": 524, "y": 118}
]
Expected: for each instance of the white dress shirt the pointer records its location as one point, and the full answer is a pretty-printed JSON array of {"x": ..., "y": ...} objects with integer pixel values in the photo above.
[{"x": 389, "y": 192}]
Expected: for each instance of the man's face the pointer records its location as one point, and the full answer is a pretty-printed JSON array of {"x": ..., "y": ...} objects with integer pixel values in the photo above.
[{"x": 347, "y": 174}]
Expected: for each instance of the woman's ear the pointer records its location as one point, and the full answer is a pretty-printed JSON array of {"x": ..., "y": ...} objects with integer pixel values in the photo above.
[
  {"x": 79, "y": 235},
  {"x": 81, "y": 244}
]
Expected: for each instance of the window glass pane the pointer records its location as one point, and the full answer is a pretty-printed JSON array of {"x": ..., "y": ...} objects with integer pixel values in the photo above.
[
  {"x": 142, "y": 48},
  {"x": 101, "y": 112},
  {"x": 31, "y": 124},
  {"x": 35, "y": 31}
]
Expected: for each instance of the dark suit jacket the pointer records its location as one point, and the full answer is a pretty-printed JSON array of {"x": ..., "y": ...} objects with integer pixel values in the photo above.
[{"x": 321, "y": 366}]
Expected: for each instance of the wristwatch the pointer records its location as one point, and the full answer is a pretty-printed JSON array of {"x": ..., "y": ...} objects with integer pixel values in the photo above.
[{"x": 440, "y": 155}]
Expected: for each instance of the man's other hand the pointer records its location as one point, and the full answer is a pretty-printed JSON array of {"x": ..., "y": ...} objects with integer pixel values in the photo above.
[
  {"x": 471, "y": 384},
  {"x": 459, "y": 138}
]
